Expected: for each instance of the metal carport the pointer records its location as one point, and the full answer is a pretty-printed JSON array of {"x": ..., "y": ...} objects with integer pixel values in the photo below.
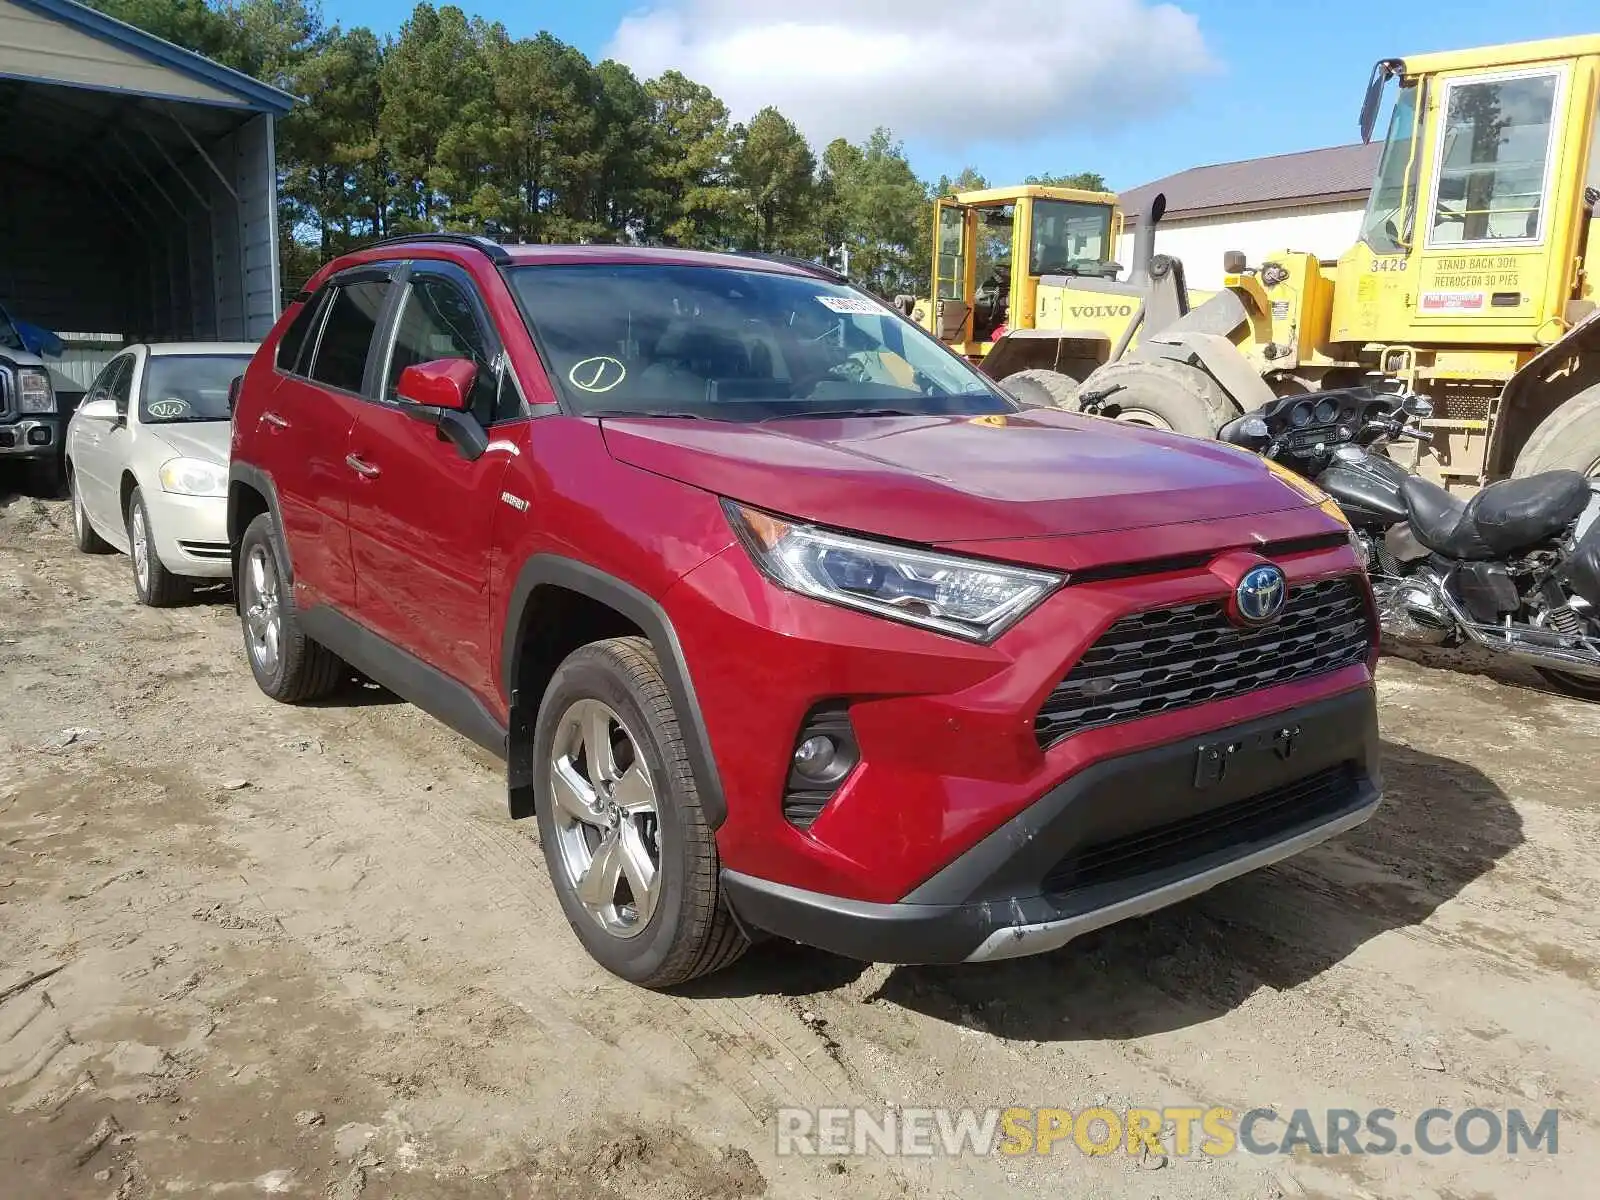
[{"x": 138, "y": 194}]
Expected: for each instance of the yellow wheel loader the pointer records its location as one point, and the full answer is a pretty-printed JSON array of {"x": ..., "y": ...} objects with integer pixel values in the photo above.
[
  {"x": 1476, "y": 280},
  {"x": 1025, "y": 286}
]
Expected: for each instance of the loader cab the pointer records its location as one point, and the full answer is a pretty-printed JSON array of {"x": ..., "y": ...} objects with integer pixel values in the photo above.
[
  {"x": 1477, "y": 221},
  {"x": 993, "y": 247}
]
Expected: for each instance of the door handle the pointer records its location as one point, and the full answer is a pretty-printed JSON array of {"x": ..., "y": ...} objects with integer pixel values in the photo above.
[
  {"x": 360, "y": 466},
  {"x": 273, "y": 419}
]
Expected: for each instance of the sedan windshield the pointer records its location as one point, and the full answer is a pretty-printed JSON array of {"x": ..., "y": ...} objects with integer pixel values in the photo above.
[
  {"x": 737, "y": 345},
  {"x": 188, "y": 387}
]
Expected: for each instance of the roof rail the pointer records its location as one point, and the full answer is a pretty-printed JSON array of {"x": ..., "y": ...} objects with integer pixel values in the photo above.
[
  {"x": 496, "y": 253},
  {"x": 792, "y": 261}
]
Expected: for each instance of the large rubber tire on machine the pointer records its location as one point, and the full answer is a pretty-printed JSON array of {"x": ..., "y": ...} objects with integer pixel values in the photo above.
[
  {"x": 1162, "y": 395},
  {"x": 1040, "y": 388},
  {"x": 1568, "y": 439},
  {"x": 632, "y": 858}
]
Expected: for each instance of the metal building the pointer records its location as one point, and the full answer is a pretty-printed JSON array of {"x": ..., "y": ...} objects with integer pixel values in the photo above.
[{"x": 138, "y": 195}]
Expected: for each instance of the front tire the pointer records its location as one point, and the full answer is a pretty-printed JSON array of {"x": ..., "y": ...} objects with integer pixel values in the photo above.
[
  {"x": 1041, "y": 388},
  {"x": 1161, "y": 395},
  {"x": 631, "y": 857},
  {"x": 155, "y": 586},
  {"x": 1568, "y": 438},
  {"x": 83, "y": 535},
  {"x": 288, "y": 665}
]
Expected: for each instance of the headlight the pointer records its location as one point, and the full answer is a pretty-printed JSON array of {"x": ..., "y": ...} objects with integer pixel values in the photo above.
[
  {"x": 34, "y": 393},
  {"x": 964, "y": 597},
  {"x": 191, "y": 477}
]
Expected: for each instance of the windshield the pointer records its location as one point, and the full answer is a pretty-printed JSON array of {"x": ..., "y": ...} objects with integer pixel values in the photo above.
[
  {"x": 736, "y": 345},
  {"x": 1383, "y": 228},
  {"x": 1069, "y": 236},
  {"x": 188, "y": 387}
]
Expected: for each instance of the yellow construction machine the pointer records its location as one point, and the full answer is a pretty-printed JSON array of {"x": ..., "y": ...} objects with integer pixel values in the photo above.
[
  {"x": 1025, "y": 284},
  {"x": 1476, "y": 281}
]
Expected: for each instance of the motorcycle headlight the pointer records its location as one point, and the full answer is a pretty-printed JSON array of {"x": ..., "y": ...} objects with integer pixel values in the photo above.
[
  {"x": 34, "y": 393},
  {"x": 192, "y": 477},
  {"x": 964, "y": 597}
]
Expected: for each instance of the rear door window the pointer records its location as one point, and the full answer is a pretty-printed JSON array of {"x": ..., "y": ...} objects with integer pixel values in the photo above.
[
  {"x": 293, "y": 341},
  {"x": 346, "y": 342}
]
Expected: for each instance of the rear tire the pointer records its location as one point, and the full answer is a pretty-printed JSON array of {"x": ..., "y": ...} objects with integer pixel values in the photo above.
[
  {"x": 1039, "y": 388},
  {"x": 83, "y": 535},
  {"x": 1161, "y": 395},
  {"x": 1568, "y": 438},
  {"x": 631, "y": 857},
  {"x": 288, "y": 665},
  {"x": 155, "y": 586}
]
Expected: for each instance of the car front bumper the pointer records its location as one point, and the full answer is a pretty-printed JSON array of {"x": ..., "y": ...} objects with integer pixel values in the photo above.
[
  {"x": 191, "y": 534},
  {"x": 1125, "y": 837},
  {"x": 31, "y": 437}
]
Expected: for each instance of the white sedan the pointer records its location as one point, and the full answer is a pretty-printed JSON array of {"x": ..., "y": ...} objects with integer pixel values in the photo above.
[{"x": 147, "y": 462}]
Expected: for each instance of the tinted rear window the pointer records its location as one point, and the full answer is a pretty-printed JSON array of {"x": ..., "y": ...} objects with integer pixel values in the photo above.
[
  {"x": 341, "y": 358},
  {"x": 294, "y": 337}
]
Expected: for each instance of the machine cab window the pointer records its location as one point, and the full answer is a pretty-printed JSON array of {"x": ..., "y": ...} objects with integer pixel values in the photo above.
[{"x": 1494, "y": 158}]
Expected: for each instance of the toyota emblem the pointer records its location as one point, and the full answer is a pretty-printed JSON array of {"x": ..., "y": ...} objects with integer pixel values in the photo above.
[{"x": 1260, "y": 596}]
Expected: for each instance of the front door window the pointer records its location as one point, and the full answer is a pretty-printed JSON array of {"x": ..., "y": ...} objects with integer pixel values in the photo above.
[{"x": 1494, "y": 160}]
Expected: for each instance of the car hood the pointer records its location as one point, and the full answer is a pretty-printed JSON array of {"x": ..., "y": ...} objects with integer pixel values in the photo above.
[
  {"x": 950, "y": 479},
  {"x": 205, "y": 440}
]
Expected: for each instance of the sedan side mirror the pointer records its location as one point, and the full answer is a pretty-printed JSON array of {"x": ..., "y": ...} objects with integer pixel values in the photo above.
[
  {"x": 99, "y": 407},
  {"x": 443, "y": 383},
  {"x": 233, "y": 392}
]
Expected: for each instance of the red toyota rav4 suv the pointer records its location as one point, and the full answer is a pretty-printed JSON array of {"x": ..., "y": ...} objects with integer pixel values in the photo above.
[{"x": 784, "y": 618}]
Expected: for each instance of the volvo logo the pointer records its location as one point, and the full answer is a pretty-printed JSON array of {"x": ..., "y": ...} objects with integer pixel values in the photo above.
[{"x": 1259, "y": 597}]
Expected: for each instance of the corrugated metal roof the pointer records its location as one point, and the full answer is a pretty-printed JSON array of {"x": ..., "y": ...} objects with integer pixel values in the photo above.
[
  {"x": 1280, "y": 181},
  {"x": 249, "y": 93}
]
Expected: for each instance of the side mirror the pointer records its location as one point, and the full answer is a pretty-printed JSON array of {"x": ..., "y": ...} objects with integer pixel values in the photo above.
[
  {"x": 1417, "y": 406},
  {"x": 98, "y": 407},
  {"x": 233, "y": 392},
  {"x": 443, "y": 383}
]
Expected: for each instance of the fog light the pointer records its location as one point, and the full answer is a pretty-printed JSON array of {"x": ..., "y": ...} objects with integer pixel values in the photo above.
[
  {"x": 824, "y": 755},
  {"x": 817, "y": 758},
  {"x": 38, "y": 436}
]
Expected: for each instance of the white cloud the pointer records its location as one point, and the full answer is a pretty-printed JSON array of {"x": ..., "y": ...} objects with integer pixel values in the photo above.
[{"x": 944, "y": 72}]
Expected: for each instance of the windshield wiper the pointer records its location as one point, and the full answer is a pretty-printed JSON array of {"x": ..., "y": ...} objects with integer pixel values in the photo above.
[
  {"x": 647, "y": 412},
  {"x": 814, "y": 413}
]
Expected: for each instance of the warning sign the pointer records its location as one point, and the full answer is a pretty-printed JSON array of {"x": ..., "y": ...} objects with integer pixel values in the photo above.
[{"x": 1446, "y": 302}]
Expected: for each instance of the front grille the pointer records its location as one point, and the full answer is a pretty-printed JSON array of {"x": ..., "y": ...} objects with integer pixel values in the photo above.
[
  {"x": 5, "y": 390},
  {"x": 205, "y": 549},
  {"x": 1262, "y": 817},
  {"x": 1170, "y": 658}
]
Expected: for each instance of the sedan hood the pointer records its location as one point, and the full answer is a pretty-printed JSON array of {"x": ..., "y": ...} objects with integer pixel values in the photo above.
[
  {"x": 205, "y": 440},
  {"x": 955, "y": 479}
]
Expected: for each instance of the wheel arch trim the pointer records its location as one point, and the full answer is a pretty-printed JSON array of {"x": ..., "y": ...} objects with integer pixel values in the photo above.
[{"x": 646, "y": 613}]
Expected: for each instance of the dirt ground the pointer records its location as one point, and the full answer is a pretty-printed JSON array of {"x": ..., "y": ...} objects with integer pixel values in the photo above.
[{"x": 304, "y": 952}]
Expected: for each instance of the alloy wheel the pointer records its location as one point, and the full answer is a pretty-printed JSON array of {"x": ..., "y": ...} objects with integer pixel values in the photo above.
[
  {"x": 262, "y": 613},
  {"x": 607, "y": 825},
  {"x": 139, "y": 537}
]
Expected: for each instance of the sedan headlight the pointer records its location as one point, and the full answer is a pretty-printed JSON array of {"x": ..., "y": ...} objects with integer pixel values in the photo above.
[
  {"x": 192, "y": 477},
  {"x": 964, "y": 597},
  {"x": 34, "y": 393}
]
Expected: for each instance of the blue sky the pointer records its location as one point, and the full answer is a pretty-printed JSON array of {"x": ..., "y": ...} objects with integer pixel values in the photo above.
[{"x": 1134, "y": 89}]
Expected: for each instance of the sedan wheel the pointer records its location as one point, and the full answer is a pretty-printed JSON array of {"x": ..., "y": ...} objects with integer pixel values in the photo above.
[
  {"x": 262, "y": 613},
  {"x": 607, "y": 825},
  {"x": 155, "y": 585}
]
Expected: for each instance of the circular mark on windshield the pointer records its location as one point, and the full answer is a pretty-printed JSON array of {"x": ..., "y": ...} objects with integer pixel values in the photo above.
[
  {"x": 598, "y": 374},
  {"x": 167, "y": 409}
]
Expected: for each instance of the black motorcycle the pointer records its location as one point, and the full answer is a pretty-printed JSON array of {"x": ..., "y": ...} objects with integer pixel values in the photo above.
[{"x": 1515, "y": 569}]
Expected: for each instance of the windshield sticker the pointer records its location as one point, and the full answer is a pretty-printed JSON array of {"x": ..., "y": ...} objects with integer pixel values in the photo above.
[
  {"x": 169, "y": 408},
  {"x": 598, "y": 374},
  {"x": 851, "y": 304}
]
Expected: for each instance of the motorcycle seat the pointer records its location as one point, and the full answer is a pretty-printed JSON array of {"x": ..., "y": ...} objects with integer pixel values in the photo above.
[{"x": 1501, "y": 519}]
